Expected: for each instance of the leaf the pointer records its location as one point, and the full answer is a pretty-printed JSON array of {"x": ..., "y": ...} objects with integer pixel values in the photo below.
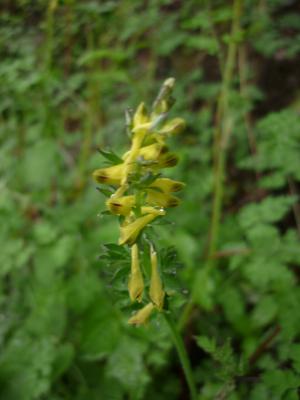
[
  {"x": 111, "y": 156},
  {"x": 99, "y": 331},
  {"x": 126, "y": 365},
  {"x": 280, "y": 381},
  {"x": 265, "y": 311},
  {"x": 207, "y": 344},
  {"x": 269, "y": 210}
]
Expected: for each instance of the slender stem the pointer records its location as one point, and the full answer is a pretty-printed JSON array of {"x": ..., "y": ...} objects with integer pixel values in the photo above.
[
  {"x": 223, "y": 129},
  {"x": 183, "y": 357}
]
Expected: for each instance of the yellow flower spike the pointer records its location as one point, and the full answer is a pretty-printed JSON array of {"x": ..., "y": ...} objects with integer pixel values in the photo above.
[
  {"x": 168, "y": 185},
  {"x": 120, "y": 205},
  {"x": 160, "y": 199},
  {"x": 136, "y": 282},
  {"x": 173, "y": 127},
  {"x": 130, "y": 232},
  {"x": 111, "y": 175},
  {"x": 156, "y": 291},
  {"x": 142, "y": 316}
]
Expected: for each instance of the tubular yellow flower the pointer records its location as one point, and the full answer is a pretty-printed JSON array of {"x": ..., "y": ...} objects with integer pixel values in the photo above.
[
  {"x": 152, "y": 210},
  {"x": 120, "y": 205},
  {"x": 153, "y": 151},
  {"x": 111, "y": 175},
  {"x": 168, "y": 185},
  {"x": 130, "y": 232},
  {"x": 140, "y": 116},
  {"x": 160, "y": 199},
  {"x": 173, "y": 127},
  {"x": 142, "y": 316},
  {"x": 167, "y": 160},
  {"x": 156, "y": 292},
  {"x": 136, "y": 282}
]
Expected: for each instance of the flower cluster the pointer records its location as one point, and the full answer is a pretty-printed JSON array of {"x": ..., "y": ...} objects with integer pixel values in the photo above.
[{"x": 142, "y": 194}]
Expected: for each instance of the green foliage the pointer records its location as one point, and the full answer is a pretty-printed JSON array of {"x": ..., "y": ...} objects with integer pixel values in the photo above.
[{"x": 69, "y": 70}]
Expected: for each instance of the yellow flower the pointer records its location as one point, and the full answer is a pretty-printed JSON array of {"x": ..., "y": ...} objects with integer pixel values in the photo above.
[
  {"x": 156, "y": 292},
  {"x": 130, "y": 232},
  {"x": 167, "y": 160},
  {"x": 160, "y": 199},
  {"x": 140, "y": 116},
  {"x": 142, "y": 316},
  {"x": 136, "y": 282},
  {"x": 152, "y": 210},
  {"x": 141, "y": 126},
  {"x": 175, "y": 126},
  {"x": 153, "y": 151},
  {"x": 111, "y": 175},
  {"x": 168, "y": 185},
  {"x": 120, "y": 205}
]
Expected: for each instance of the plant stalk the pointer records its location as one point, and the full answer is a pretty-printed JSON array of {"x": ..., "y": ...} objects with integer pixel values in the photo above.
[
  {"x": 223, "y": 129},
  {"x": 183, "y": 357}
]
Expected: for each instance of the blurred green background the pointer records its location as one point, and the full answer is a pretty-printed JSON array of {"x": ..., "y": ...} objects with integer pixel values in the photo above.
[{"x": 68, "y": 70}]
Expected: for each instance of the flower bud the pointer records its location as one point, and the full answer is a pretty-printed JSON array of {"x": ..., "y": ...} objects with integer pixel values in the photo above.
[
  {"x": 136, "y": 282},
  {"x": 142, "y": 316},
  {"x": 156, "y": 292},
  {"x": 130, "y": 232},
  {"x": 173, "y": 127},
  {"x": 140, "y": 117}
]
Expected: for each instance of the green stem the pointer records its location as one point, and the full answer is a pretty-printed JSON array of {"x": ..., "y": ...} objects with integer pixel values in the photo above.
[
  {"x": 222, "y": 132},
  {"x": 183, "y": 357}
]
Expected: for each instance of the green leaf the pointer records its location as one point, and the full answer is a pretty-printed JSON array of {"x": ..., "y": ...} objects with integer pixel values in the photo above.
[
  {"x": 99, "y": 331},
  {"x": 207, "y": 344},
  {"x": 111, "y": 156},
  {"x": 126, "y": 365}
]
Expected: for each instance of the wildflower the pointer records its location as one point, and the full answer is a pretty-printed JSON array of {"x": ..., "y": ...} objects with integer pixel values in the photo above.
[
  {"x": 161, "y": 199},
  {"x": 138, "y": 198},
  {"x": 136, "y": 282},
  {"x": 142, "y": 316},
  {"x": 167, "y": 160},
  {"x": 173, "y": 127},
  {"x": 140, "y": 117},
  {"x": 167, "y": 185},
  {"x": 151, "y": 152},
  {"x": 152, "y": 210},
  {"x": 130, "y": 232},
  {"x": 156, "y": 292},
  {"x": 111, "y": 175},
  {"x": 120, "y": 205}
]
